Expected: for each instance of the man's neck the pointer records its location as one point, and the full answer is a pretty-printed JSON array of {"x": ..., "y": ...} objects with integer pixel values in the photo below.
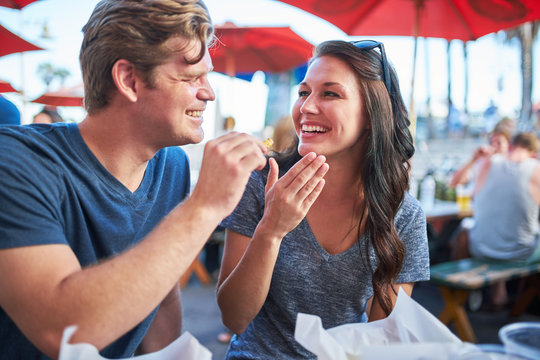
[
  {"x": 518, "y": 154},
  {"x": 115, "y": 147}
]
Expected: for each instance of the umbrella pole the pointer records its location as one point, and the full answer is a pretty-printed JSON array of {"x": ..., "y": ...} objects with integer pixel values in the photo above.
[
  {"x": 230, "y": 70},
  {"x": 466, "y": 73},
  {"x": 418, "y": 4},
  {"x": 412, "y": 111},
  {"x": 23, "y": 78}
]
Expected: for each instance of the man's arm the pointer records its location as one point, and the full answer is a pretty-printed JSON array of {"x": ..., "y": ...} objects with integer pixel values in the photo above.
[
  {"x": 166, "y": 326},
  {"x": 463, "y": 174},
  {"x": 482, "y": 176},
  {"x": 44, "y": 288},
  {"x": 534, "y": 185}
]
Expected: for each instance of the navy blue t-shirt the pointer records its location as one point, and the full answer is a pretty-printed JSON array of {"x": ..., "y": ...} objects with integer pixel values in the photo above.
[{"x": 53, "y": 190}]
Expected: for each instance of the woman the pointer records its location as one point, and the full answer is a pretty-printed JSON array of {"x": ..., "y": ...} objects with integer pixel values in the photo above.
[{"x": 338, "y": 247}]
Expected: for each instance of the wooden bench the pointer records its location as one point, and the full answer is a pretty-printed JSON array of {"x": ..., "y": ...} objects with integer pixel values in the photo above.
[{"x": 457, "y": 278}]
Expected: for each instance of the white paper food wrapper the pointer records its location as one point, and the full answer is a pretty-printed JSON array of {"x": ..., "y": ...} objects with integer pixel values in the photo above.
[
  {"x": 410, "y": 331},
  {"x": 186, "y": 347}
]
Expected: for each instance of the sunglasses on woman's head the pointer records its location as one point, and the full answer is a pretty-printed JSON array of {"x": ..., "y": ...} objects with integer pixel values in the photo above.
[{"x": 370, "y": 45}]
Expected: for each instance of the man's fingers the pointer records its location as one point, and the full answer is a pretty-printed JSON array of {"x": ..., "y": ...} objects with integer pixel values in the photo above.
[
  {"x": 235, "y": 142},
  {"x": 272, "y": 175}
]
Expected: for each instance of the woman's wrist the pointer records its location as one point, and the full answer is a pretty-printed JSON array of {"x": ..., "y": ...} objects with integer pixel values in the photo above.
[{"x": 267, "y": 233}]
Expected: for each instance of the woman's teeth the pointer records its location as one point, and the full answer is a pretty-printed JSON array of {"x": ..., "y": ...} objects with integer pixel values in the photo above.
[
  {"x": 194, "y": 113},
  {"x": 313, "y": 129}
]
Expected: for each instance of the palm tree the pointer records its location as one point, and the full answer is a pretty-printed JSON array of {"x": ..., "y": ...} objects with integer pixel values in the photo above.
[
  {"x": 62, "y": 74},
  {"x": 525, "y": 34},
  {"x": 46, "y": 70},
  {"x": 49, "y": 73}
]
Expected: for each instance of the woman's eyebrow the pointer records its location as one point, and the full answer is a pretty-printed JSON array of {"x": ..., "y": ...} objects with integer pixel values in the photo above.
[
  {"x": 326, "y": 84},
  {"x": 331, "y": 83}
]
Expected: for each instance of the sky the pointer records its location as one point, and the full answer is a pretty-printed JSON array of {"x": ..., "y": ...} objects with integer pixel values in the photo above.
[{"x": 494, "y": 66}]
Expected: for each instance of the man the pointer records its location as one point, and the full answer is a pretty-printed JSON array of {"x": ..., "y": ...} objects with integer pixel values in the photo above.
[
  {"x": 506, "y": 209},
  {"x": 95, "y": 227},
  {"x": 506, "y": 203}
]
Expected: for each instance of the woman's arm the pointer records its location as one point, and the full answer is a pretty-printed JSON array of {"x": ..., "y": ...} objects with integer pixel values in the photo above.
[
  {"x": 375, "y": 311},
  {"x": 244, "y": 279},
  {"x": 166, "y": 326},
  {"x": 248, "y": 264}
]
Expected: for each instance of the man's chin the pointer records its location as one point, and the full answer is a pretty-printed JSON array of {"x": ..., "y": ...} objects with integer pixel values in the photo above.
[
  {"x": 199, "y": 137},
  {"x": 195, "y": 138}
]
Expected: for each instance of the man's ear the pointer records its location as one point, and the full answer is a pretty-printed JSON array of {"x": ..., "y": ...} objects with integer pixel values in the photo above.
[{"x": 124, "y": 77}]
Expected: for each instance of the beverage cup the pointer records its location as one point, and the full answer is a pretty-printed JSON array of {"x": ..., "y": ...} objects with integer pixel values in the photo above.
[
  {"x": 463, "y": 197},
  {"x": 522, "y": 338}
]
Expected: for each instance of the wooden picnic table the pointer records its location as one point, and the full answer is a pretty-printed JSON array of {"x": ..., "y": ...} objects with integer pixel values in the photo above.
[{"x": 457, "y": 278}]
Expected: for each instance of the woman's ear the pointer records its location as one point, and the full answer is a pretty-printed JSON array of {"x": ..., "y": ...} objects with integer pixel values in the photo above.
[{"x": 124, "y": 77}]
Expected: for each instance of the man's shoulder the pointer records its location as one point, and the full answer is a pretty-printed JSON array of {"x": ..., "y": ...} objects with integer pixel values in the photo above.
[{"x": 24, "y": 140}]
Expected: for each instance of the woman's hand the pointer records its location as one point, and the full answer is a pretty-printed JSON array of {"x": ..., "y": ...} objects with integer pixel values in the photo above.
[{"x": 288, "y": 199}]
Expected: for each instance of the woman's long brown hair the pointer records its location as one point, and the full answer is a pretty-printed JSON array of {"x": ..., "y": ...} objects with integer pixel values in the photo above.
[{"x": 384, "y": 169}]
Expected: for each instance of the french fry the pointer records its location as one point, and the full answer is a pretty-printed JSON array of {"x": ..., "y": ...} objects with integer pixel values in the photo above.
[{"x": 268, "y": 143}]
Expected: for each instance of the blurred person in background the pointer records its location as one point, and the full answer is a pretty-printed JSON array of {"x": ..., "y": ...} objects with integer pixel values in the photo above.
[
  {"x": 284, "y": 136},
  {"x": 506, "y": 209},
  {"x": 499, "y": 142},
  {"x": 47, "y": 115},
  {"x": 9, "y": 114},
  {"x": 507, "y": 124}
]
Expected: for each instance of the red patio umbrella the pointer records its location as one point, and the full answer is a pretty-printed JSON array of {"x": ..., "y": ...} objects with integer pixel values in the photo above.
[
  {"x": 449, "y": 19},
  {"x": 64, "y": 97},
  {"x": 249, "y": 49},
  {"x": 16, "y": 4},
  {"x": 6, "y": 87},
  {"x": 11, "y": 43}
]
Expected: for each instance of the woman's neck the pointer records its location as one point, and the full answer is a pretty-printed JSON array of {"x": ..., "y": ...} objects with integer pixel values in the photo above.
[{"x": 341, "y": 180}]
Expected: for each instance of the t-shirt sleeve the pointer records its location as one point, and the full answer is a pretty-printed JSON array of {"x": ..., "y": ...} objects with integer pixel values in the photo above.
[
  {"x": 250, "y": 209},
  {"x": 411, "y": 227},
  {"x": 29, "y": 198}
]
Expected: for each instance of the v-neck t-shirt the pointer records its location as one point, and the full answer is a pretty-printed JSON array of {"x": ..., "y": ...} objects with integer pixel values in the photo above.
[
  {"x": 307, "y": 279},
  {"x": 53, "y": 190}
]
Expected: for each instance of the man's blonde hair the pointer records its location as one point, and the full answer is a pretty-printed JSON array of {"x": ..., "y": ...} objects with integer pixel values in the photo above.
[{"x": 137, "y": 31}]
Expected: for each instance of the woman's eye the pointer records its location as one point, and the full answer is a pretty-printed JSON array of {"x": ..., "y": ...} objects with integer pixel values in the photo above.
[
  {"x": 331, "y": 93},
  {"x": 303, "y": 93}
]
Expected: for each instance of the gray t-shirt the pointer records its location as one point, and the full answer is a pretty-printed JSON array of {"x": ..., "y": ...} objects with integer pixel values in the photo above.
[{"x": 308, "y": 279}]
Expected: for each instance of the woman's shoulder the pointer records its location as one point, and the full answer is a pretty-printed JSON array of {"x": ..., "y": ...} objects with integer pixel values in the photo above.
[
  {"x": 410, "y": 205},
  {"x": 410, "y": 212}
]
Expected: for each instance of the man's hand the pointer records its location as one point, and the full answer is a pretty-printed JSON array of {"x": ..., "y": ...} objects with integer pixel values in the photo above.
[
  {"x": 483, "y": 152},
  {"x": 227, "y": 164}
]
